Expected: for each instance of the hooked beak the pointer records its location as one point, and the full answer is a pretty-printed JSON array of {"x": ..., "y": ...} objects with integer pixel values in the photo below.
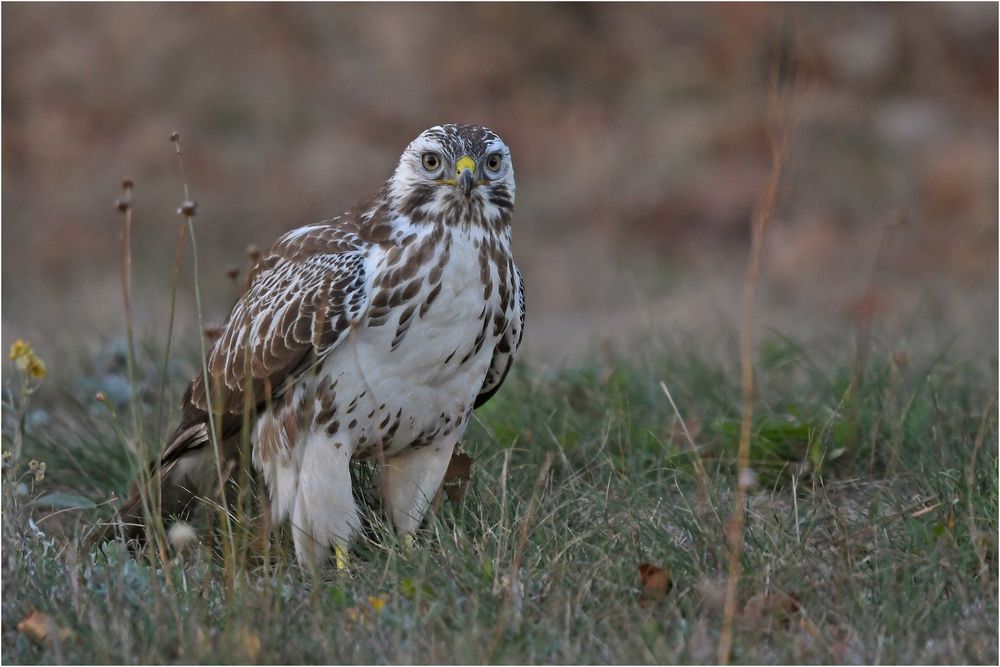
[
  {"x": 465, "y": 183},
  {"x": 465, "y": 169}
]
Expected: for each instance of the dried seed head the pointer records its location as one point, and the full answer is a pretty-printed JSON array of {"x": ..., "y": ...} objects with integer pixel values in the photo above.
[
  {"x": 127, "y": 183},
  {"x": 100, "y": 396},
  {"x": 123, "y": 205},
  {"x": 175, "y": 136},
  {"x": 747, "y": 479},
  {"x": 181, "y": 535},
  {"x": 233, "y": 272},
  {"x": 188, "y": 209}
]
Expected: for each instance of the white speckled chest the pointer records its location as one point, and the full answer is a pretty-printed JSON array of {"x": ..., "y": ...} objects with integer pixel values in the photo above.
[{"x": 410, "y": 371}]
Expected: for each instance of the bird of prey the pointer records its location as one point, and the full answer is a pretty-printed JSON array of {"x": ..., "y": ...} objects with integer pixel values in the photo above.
[{"x": 375, "y": 333}]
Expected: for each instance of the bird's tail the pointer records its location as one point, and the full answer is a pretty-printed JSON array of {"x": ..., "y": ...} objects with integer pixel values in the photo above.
[{"x": 185, "y": 472}]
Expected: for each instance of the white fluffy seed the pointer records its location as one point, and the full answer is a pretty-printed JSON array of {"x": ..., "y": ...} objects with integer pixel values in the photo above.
[
  {"x": 748, "y": 479},
  {"x": 181, "y": 535}
]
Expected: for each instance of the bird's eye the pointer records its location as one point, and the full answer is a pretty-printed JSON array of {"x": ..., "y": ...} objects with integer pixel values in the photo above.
[
  {"x": 431, "y": 161},
  {"x": 494, "y": 161}
]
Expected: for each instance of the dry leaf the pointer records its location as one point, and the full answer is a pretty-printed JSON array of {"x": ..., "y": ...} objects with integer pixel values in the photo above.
[
  {"x": 250, "y": 643},
  {"x": 655, "y": 582},
  {"x": 763, "y": 610},
  {"x": 809, "y": 628},
  {"x": 40, "y": 628},
  {"x": 458, "y": 476}
]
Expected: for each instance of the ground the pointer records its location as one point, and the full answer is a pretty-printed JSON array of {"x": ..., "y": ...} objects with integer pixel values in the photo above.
[{"x": 871, "y": 530}]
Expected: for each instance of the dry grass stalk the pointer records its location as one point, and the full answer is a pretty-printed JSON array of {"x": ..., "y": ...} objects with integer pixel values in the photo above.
[
  {"x": 136, "y": 445},
  {"x": 763, "y": 214},
  {"x": 970, "y": 478},
  {"x": 188, "y": 209},
  {"x": 700, "y": 474},
  {"x": 513, "y": 597},
  {"x": 124, "y": 206},
  {"x": 174, "y": 276}
]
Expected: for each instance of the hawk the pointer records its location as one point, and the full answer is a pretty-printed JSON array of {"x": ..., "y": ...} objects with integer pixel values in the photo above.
[{"x": 375, "y": 333}]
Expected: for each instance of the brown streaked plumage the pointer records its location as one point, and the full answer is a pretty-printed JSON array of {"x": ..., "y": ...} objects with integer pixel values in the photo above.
[{"x": 378, "y": 331}]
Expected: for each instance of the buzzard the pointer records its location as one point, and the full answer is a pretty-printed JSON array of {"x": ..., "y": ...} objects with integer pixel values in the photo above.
[{"x": 375, "y": 333}]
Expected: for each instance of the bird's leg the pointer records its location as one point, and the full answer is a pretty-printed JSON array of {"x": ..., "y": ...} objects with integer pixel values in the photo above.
[
  {"x": 410, "y": 480},
  {"x": 341, "y": 554},
  {"x": 325, "y": 513}
]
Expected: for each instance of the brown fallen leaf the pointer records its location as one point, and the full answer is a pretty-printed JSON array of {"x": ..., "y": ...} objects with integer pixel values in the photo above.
[
  {"x": 458, "y": 476},
  {"x": 41, "y": 629},
  {"x": 808, "y": 627},
  {"x": 250, "y": 644},
  {"x": 655, "y": 582},
  {"x": 763, "y": 610}
]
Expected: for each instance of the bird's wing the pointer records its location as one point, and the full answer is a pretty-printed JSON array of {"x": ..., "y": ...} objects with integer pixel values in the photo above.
[
  {"x": 301, "y": 300},
  {"x": 506, "y": 347}
]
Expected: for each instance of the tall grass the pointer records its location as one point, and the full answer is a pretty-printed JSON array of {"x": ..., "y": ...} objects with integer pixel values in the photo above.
[{"x": 538, "y": 564}]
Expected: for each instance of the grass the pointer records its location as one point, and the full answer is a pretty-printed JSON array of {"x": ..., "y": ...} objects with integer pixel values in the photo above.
[{"x": 868, "y": 538}]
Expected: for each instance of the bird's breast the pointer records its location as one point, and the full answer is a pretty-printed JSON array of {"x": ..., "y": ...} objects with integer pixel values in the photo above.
[{"x": 410, "y": 370}]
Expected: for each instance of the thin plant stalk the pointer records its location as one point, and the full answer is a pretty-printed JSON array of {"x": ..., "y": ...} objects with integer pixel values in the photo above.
[
  {"x": 762, "y": 217},
  {"x": 187, "y": 210},
  {"x": 125, "y": 264},
  {"x": 155, "y": 528},
  {"x": 701, "y": 475},
  {"x": 138, "y": 448},
  {"x": 510, "y": 611},
  {"x": 970, "y": 481},
  {"x": 174, "y": 279}
]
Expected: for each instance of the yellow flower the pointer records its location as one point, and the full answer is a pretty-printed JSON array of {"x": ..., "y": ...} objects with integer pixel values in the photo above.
[
  {"x": 361, "y": 614},
  {"x": 378, "y": 602},
  {"x": 25, "y": 358},
  {"x": 36, "y": 368},
  {"x": 19, "y": 350}
]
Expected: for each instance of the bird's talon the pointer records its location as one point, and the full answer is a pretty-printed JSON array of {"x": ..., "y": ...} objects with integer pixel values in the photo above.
[{"x": 341, "y": 555}]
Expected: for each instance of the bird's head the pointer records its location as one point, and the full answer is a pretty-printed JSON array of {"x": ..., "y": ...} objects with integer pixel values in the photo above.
[{"x": 457, "y": 172}]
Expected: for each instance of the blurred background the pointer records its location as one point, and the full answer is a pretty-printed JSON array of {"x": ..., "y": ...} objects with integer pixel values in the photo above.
[{"x": 639, "y": 138}]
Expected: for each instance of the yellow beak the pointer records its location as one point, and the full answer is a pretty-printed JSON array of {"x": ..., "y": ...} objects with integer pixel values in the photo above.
[{"x": 465, "y": 172}]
